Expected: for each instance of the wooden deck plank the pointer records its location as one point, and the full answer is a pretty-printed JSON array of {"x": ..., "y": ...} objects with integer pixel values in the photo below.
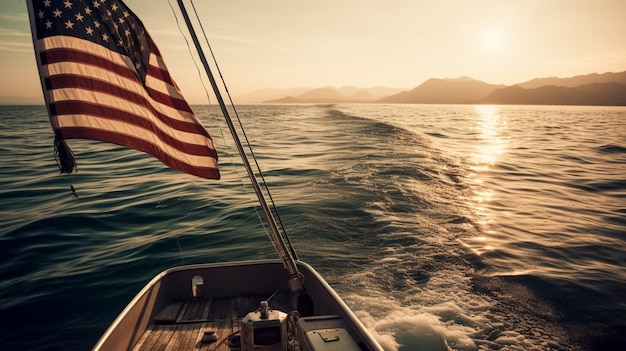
[
  {"x": 195, "y": 312},
  {"x": 188, "y": 337},
  {"x": 223, "y": 325},
  {"x": 207, "y": 307},
  {"x": 169, "y": 314},
  {"x": 197, "y": 316},
  {"x": 166, "y": 337},
  {"x": 175, "y": 340},
  {"x": 155, "y": 333}
]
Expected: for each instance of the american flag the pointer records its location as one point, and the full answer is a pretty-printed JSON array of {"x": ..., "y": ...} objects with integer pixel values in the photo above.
[{"x": 104, "y": 79}]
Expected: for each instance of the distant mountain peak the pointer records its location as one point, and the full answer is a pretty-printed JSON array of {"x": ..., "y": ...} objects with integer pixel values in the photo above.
[
  {"x": 467, "y": 79},
  {"x": 445, "y": 91},
  {"x": 459, "y": 79}
]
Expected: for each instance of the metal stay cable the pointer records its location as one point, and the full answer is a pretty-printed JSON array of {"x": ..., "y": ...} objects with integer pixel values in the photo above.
[
  {"x": 245, "y": 136},
  {"x": 215, "y": 119}
]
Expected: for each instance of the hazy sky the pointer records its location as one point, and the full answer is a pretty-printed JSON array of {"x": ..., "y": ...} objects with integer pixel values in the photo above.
[{"x": 364, "y": 43}]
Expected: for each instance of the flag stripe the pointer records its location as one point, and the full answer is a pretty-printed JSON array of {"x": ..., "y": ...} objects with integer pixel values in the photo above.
[
  {"x": 137, "y": 110},
  {"x": 195, "y": 146},
  {"x": 61, "y": 73},
  {"x": 157, "y": 71},
  {"x": 71, "y": 57},
  {"x": 75, "y": 57},
  {"x": 159, "y": 84},
  {"x": 74, "y": 123},
  {"x": 96, "y": 90},
  {"x": 202, "y": 167}
]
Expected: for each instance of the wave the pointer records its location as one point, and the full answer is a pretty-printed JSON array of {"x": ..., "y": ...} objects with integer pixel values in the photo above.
[{"x": 611, "y": 149}]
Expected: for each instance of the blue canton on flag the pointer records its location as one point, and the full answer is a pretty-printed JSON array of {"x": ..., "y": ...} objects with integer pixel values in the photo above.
[{"x": 108, "y": 23}]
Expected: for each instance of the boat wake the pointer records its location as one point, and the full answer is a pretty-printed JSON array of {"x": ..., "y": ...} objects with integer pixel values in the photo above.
[{"x": 421, "y": 287}]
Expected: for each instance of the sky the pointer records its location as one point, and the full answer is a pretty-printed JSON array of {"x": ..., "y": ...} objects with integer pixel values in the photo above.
[{"x": 362, "y": 43}]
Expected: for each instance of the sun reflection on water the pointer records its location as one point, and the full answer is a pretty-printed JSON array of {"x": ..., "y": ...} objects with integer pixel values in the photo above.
[{"x": 490, "y": 146}]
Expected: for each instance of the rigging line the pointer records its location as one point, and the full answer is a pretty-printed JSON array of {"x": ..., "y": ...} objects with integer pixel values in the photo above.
[
  {"x": 295, "y": 278},
  {"x": 206, "y": 91},
  {"x": 180, "y": 248},
  {"x": 231, "y": 100},
  {"x": 267, "y": 190},
  {"x": 217, "y": 120},
  {"x": 208, "y": 96}
]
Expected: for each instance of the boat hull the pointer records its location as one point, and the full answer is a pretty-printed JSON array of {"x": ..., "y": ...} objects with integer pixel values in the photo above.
[{"x": 224, "y": 280}]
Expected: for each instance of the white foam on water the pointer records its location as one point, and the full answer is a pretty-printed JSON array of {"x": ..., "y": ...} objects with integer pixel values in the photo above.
[
  {"x": 407, "y": 329},
  {"x": 443, "y": 313}
]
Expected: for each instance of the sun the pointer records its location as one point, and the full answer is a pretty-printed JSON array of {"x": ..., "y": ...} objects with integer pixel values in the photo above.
[{"x": 492, "y": 39}]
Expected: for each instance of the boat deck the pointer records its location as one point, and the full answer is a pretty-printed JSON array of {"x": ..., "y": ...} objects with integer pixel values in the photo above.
[{"x": 190, "y": 325}]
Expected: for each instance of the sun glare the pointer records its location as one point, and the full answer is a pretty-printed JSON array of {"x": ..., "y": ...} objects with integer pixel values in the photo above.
[{"x": 491, "y": 39}]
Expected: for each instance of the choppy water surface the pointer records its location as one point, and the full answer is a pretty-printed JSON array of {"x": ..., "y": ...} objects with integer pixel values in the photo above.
[{"x": 451, "y": 227}]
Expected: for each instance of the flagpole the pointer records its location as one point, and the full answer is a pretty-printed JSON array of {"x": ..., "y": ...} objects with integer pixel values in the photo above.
[{"x": 295, "y": 277}]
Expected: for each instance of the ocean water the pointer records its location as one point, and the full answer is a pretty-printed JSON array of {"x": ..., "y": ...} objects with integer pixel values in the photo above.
[{"x": 444, "y": 227}]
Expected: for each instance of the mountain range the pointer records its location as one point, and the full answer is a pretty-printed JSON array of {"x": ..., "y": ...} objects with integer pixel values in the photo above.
[
  {"x": 608, "y": 89},
  {"x": 320, "y": 95}
]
